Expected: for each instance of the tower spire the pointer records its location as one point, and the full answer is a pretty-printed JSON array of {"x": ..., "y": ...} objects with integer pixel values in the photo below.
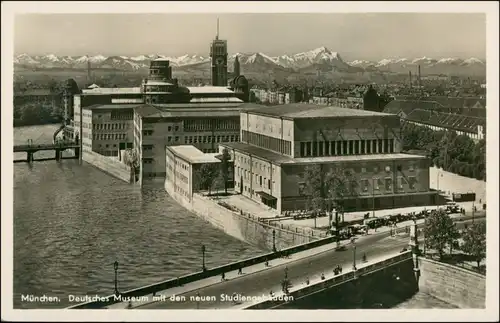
[{"x": 217, "y": 35}]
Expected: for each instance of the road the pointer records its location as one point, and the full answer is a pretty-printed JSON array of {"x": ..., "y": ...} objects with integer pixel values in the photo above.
[
  {"x": 256, "y": 284},
  {"x": 267, "y": 280}
]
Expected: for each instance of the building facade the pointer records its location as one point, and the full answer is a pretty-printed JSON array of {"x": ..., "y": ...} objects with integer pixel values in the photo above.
[
  {"x": 203, "y": 125},
  {"x": 278, "y": 143},
  {"x": 183, "y": 163}
]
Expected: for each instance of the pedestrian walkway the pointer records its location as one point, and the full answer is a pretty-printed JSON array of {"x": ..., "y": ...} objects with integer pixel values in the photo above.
[
  {"x": 228, "y": 275},
  {"x": 317, "y": 278}
]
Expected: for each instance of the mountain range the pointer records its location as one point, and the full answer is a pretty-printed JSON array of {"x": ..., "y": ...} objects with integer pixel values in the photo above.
[{"x": 320, "y": 59}]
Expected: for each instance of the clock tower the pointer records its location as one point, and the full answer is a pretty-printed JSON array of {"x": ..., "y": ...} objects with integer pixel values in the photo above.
[{"x": 218, "y": 55}]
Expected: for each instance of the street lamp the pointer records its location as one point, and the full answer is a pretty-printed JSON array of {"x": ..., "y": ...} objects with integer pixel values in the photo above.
[
  {"x": 274, "y": 240},
  {"x": 353, "y": 254},
  {"x": 373, "y": 198},
  {"x": 115, "y": 266},
  {"x": 203, "y": 258}
]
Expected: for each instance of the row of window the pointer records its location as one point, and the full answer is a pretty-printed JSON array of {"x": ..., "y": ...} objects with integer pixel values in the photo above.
[
  {"x": 211, "y": 124},
  {"x": 109, "y": 136},
  {"x": 243, "y": 160},
  {"x": 122, "y": 115},
  {"x": 108, "y": 153},
  {"x": 258, "y": 179},
  {"x": 278, "y": 145},
  {"x": 376, "y": 184},
  {"x": 180, "y": 190},
  {"x": 110, "y": 126},
  {"x": 210, "y": 139},
  {"x": 346, "y": 147}
]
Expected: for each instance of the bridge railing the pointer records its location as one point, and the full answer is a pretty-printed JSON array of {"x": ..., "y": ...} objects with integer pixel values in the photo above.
[
  {"x": 146, "y": 290},
  {"x": 301, "y": 291}
]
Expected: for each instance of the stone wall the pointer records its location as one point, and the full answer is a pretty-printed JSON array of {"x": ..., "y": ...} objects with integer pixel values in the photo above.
[
  {"x": 108, "y": 165},
  {"x": 457, "y": 286},
  {"x": 383, "y": 286},
  {"x": 244, "y": 227}
]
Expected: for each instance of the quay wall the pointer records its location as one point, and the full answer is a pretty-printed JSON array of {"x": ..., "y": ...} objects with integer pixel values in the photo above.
[
  {"x": 242, "y": 225},
  {"x": 454, "y": 285},
  {"x": 108, "y": 165}
]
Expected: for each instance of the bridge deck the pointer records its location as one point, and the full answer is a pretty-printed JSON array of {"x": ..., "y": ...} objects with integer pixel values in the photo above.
[
  {"x": 26, "y": 148},
  {"x": 257, "y": 279}
]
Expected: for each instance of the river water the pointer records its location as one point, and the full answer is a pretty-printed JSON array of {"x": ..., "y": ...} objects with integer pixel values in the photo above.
[{"x": 72, "y": 221}]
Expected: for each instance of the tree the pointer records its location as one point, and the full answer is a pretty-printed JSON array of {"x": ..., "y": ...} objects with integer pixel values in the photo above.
[
  {"x": 340, "y": 184},
  {"x": 225, "y": 158},
  {"x": 327, "y": 190},
  {"x": 440, "y": 231},
  {"x": 475, "y": 241},
  {"x": 205, "y": 176},
  {"x": 131, "y": 159}
]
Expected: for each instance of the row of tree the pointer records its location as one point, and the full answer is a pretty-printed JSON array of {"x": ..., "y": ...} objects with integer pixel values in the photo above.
[
  {"x": 455, "y": 153},
  {"x": 34, "y": 114},
  {"x": 441, "y": 233},
  {"x": 28, "y": 113},
  {"x": 209, "y": 175}
]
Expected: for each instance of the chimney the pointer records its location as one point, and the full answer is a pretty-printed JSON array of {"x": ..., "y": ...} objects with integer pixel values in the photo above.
[
  {"x": 410, "y": 78},
  {"x": 419, "y": 81}
]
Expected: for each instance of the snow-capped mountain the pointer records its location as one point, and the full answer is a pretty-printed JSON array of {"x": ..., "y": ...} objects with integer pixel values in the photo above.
[{"x": 320, "y": 58}]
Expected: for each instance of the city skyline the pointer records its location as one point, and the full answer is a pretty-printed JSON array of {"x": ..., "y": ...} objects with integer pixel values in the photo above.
[{"x": 374, "y": 34}]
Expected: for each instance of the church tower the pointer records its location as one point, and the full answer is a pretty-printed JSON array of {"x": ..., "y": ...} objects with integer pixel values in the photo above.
[
  {"x": 236, "y": 67},
  {"x": 218, "y": 55}
]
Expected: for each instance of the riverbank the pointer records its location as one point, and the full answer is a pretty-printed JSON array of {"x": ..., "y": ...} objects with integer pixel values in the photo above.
[{"x": 241, "y": 225}]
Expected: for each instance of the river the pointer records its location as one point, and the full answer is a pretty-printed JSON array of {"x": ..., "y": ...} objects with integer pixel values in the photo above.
[{"x": 72, "y": 221}]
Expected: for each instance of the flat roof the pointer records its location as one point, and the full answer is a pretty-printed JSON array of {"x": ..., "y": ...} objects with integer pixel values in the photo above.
[
  {"x": 279, "y": 159},
  {"x": 193, "y": 155},
  {"x": 307, "y": 110},
  {"x": 153, "y": 82},
  {"x": 212, "y": 100},
  {"x": 112, "y": 106},
  {"x": 112, "y": 90},
  {"x": 209, "y": 89},
  {"x": 188, "y": 110}
]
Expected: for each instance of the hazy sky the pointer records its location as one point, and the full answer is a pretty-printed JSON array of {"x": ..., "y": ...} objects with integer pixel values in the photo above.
[{"x": 355, "y": 36}]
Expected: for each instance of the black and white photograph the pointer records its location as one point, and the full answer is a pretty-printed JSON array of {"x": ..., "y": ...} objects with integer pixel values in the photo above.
[{"x": 237, "y": 159}]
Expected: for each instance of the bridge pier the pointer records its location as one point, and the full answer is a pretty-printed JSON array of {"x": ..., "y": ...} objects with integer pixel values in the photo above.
[
  {"x": 58, "y": 154},
  {"x": 77, "y": 153},
  {"x": 30, "y": 158}
]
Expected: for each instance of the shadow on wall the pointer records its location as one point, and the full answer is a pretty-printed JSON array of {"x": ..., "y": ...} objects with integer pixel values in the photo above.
[{"x": 383, "y": 289}]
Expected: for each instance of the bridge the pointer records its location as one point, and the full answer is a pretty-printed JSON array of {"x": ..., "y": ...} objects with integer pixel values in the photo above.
[
  {"x": 58, "y": 147},
  {"x": 307, "y": 262}
]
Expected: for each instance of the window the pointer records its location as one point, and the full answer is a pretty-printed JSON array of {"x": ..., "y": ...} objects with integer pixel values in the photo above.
[
  {"x": 169, "y": 128},
  {"x": 388, "y": 184},
  {"x": 363, "y": 170},
  {"x": 176, "y": 128},
  {"x": 411, "y": 182},
  {"x": 399, "y": 168},
  {"x": 365, "y": 185},
  {"x": 376, "y": 183},
  {"x": 169, "y": 139},
  {"x": 375, "y": 169},
  {"x": 400, "y": 180},
  {"x": 411, "y": 168}
]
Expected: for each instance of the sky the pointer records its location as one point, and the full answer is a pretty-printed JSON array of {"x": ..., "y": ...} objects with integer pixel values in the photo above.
[{"x": 371, "y": 36}]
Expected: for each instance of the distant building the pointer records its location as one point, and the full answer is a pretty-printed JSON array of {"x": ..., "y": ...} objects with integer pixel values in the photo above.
[
  {"x": 464, "y": 116},
  {"x": 277, "y": 143},
  {"x": 218, "y": 55}
]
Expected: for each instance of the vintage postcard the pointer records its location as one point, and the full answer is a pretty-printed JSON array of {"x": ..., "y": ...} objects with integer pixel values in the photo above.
[{"x": 215, "y": 161}]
